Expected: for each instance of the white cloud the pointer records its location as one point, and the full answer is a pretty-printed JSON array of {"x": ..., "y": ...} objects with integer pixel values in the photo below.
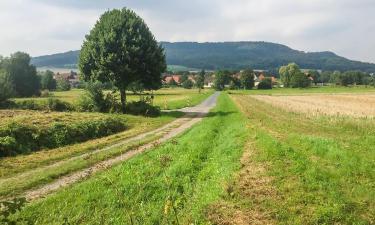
[{"x": 346, "y": 27}]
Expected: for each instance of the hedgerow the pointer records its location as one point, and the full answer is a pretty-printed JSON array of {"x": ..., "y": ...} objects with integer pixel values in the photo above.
[{"x": 17, "y": 138}]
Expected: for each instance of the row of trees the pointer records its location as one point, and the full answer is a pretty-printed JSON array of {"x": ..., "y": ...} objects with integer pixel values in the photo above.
[
  {"x": 244, "y": 81},
  {"x": 20, "y": 79}
]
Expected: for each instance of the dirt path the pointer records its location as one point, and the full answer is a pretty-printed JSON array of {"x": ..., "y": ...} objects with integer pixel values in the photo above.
[{"x": 192, "y": 116}]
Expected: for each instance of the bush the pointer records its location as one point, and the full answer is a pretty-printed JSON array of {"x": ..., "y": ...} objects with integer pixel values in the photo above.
[
  {"x": 188, "y": 84},
  {"x": 51, "y": 104},
  {"x": 18, "y": 138},
  {"x": 93, "y": 100},
  {"x": 63, "y": 85},
  {"x": 54, "y": 104},
  {"x": 265, "y": 84},
  {"x": 300, "y": 80},
  {"x": 45, "y": 93},
  {"x": 142, "y": 108}
]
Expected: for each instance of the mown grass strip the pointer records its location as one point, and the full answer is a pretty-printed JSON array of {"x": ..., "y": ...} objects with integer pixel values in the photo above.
[{"x": 174, "y": 182}]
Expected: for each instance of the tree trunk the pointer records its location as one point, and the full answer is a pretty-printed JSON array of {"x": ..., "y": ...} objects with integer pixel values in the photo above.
[{"x": 123, "y": 99}]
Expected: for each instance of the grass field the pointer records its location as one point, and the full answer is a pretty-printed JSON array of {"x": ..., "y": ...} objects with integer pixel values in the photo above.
[
  {"x": 167, "y": 98},
  {"x": 358, "y": 105},
  {"x": 248, "y": 162},
  {"x": 174, "y": 182},
  {"x": 309, "y": 91},
  {"x": 321, "y": 167}
]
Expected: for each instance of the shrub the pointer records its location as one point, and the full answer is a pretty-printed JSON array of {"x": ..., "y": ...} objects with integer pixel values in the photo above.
[
  {"x": 142, "y": 108},
  {"x": 94, "y": 100},
  {"x": 265, "y": 84},
  {"x": 63, "y": 85},
  {"x": 187, "y": 84},
  {"x": 300, "y": 80},
  {"x": 18, "y": 138},
  {"x": 54, "y": 104},
  {"x": 45, "y": 93},
  {"x": 51, "y": 104}
]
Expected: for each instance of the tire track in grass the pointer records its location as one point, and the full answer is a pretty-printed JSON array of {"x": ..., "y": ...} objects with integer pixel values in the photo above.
[{"x": 192, "y": 116}]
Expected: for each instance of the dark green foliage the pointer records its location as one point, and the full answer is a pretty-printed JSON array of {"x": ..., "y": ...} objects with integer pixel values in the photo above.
[
  {"x": 51, "y": 104},
  {"x": 94, "y": 100},
  {"x": 222, "y": 78},
  {"x": 47, "y": 81},
  {"x": 142, "y": 108},
  {"x": 122, "y": 50},
  {"x": 247, "y": 79},
  {"x": 199, "y": 81},
  {"x": 266, "y": 83},
  {"x": 287, "y": 72},
  {"x": 63, "y": 85},
  {"x": 234, "y": 84},
  {"x": 23, "y": 76},
  {"x": 18, "y": 138},
  {"x": 315, "y": 75},
  {"x": 325, "y": 76},
  {"x": 187, "y": 84},
  {"x": 6, "y": 87},
  {"x": 54, "y": 104},
  {"x": 300, "y": 80}
]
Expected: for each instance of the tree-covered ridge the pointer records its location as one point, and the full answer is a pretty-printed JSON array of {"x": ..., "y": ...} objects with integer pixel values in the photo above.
[{"x": 232, "y": 55}]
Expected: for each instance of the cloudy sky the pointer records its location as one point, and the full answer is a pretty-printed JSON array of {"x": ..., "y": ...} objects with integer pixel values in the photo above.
[{"x": 346, "y": 27}]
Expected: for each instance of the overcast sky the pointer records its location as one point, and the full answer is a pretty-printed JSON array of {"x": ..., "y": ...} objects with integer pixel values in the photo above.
[{"x": 346, "y": 27}]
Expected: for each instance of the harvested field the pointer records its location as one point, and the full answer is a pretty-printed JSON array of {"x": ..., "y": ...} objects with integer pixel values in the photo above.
[{"x": 358, "y": 105}]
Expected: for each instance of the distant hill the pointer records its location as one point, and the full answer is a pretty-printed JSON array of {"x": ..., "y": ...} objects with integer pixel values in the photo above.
[{"x": 230, "y": 55}]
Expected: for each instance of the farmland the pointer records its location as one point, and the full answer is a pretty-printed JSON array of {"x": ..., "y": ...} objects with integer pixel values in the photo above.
[
  {"x": 359, "y": 105},
  {"x": 266, "y": 162}
]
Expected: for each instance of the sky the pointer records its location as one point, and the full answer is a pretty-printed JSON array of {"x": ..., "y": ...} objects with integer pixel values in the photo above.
[{"x": 346, "y": 27}]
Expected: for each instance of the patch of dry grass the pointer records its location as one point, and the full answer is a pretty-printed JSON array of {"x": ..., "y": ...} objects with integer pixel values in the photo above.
[{"x": 359, "y": 105}]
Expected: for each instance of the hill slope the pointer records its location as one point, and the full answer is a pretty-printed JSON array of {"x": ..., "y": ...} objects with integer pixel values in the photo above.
[{"x": 231, "y": 55}]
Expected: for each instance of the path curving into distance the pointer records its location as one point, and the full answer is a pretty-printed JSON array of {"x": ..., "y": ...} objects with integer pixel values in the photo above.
[{"x": 192, "y": 116}]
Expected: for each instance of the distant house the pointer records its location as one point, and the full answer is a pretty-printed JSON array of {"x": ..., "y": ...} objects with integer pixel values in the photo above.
[
  {"x": 262, "y": 77},
  {"x": 72, "y": 77},
  {"x": 168, "y": 79}
]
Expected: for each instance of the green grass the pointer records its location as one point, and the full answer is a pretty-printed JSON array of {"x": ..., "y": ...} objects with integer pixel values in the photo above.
[
  {"x": 323, "y": 167},
  {"x": 12, "y": 168},
  {"x": 175, "y": 181},
  {"x": 312, "y": 90},
  {"x": 166, "y": 98}
]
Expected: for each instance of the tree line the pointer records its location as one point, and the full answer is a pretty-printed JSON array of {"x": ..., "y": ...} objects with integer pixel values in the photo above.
[{"x": 18, "y": 78}]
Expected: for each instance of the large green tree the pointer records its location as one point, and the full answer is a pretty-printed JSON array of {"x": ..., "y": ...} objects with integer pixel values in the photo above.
[
  {"x": 6, "y": 86},
  {"x": 121, "y": 49},
  {"x": 47, "y": 81},
  {"x": 222, "y": 78},
  {"x": 287, "y": 72},
  {"x": 247, "y": 79},
  {"x": 23, "y": 76},
  {"x": 199, "y": 82}
]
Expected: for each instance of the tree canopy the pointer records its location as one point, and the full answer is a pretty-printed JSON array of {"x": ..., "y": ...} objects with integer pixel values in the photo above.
[
  {"x": 121, "y": 49},
  {"x": 287, "y": 72},
  {"x": 23, "y": 76},
  {"x": 47, "y": 81},
  {"x": 247, "y": 79}
]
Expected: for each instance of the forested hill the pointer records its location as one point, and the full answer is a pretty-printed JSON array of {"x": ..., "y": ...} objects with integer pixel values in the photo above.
[{"x": 232, "y": 55}]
